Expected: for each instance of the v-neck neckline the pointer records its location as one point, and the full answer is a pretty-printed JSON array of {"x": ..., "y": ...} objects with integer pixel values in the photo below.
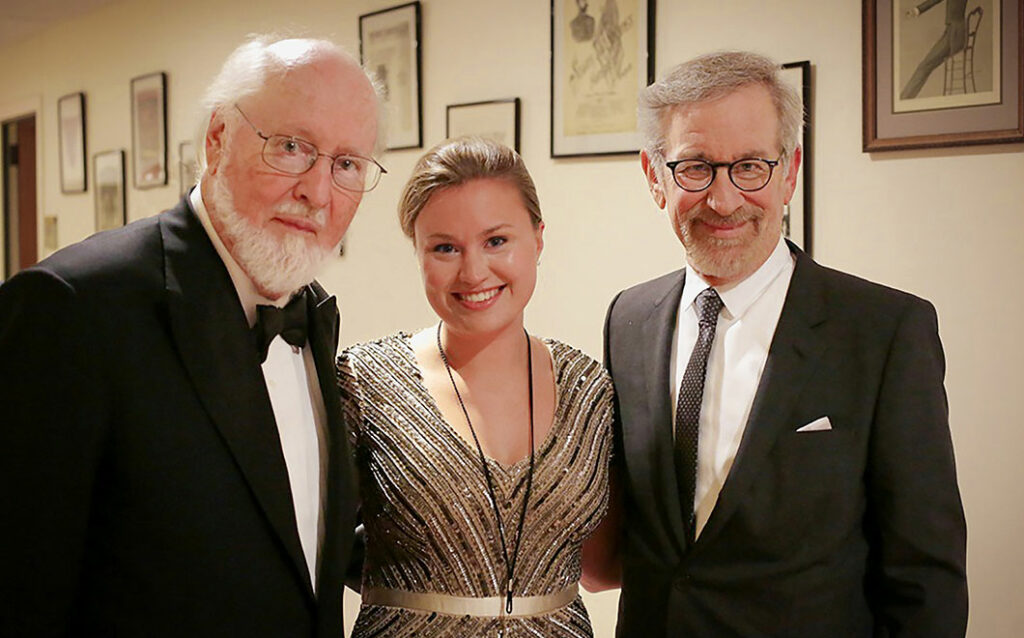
[{"x": 467, "y": 445}]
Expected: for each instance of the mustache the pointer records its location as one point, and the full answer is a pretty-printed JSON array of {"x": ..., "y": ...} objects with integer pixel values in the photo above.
[
  {"x": 745, "y": 213},
  {"x": 299, "y": 209}
]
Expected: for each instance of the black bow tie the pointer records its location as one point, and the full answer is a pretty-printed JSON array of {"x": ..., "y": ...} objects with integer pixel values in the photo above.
[{"x": 289, "y": 322}]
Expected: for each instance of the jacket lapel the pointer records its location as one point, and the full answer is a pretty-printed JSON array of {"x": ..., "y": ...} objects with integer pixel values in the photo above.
[
  {"x": 797, "y": 345},
  {"x": 657, "y": 331},
  {"x": 340, "y": 486},
  {"x": 213, "y": 339}
]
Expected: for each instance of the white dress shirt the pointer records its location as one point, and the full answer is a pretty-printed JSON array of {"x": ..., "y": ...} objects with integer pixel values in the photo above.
[
  {"x": 294, "y": 389},
  {"x": 743, "y": 335}
]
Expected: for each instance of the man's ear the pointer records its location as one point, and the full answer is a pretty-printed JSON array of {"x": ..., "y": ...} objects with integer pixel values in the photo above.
[
  {"x": 791, "y": 172},
  {"x": 216, "y": 137},
  {"x": 653, "y": 176}
]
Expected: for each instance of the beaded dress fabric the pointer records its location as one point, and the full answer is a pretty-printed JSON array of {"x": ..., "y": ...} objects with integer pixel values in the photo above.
[{"x": 430, "y": 525}]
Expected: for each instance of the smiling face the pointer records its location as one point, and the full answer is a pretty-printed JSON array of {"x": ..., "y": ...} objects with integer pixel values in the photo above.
[
  {"x": 727, "y": 233},
  {"x": 478, "y": 253},
  {"x": 328, "y": 102}
]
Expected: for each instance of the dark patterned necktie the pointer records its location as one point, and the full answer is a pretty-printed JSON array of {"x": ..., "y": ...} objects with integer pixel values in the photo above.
[
  {"x": 289, "y": 322},
  {"x": 691, "y": 393}
]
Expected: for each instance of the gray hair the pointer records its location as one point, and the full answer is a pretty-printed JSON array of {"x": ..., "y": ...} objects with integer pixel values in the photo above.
[
  {"x": 710, "y": 77},
  {"x": 255, "y": 63},
  {"x": 458, "y": 161}
]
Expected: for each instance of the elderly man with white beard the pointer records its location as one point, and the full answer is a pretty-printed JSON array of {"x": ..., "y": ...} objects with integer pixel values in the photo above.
[{"x": 174, "y": 458}]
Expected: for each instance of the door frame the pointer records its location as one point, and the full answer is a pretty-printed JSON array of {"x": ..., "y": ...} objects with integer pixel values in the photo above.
[{"x": 14, "y": 110}]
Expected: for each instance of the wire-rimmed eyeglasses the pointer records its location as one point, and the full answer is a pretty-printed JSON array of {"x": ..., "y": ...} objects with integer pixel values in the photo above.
[
  {"x": 747, "y": 174},
  {"x": 295, "y": 156}
]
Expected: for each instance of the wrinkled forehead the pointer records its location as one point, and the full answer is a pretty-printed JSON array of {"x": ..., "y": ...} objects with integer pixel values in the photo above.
[
  {"x": 326, "y": 99},
  {"x": 743, "y": 120}
]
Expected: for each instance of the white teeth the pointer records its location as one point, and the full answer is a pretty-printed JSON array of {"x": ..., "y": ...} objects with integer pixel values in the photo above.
[{"x": 477, "y": 297}]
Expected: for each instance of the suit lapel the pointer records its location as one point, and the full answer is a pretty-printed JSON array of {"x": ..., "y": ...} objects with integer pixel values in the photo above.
[
  {"x": 323, "y": 340},
  {"x": 213, "y": 339},
  {"x": 658, "y": 330},
  {"x": 797, "y": 345}
]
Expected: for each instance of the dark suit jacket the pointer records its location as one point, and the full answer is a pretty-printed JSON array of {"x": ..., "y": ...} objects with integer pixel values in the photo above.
[
  {"x": 143, "y": 483},
  {"x": 857, "y": 531}
]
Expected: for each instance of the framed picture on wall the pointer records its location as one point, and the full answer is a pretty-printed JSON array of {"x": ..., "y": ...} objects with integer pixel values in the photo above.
[
  {"x": 149, "y": 130},
  {"x": 188, "y": 168},
  {"x": 942, "y": 73},
  {"x": 389, "y": 46},
  {"x": 71, "y": 128},
  {"x": 109, "y": 177},
  {"x": 796, "y": 224},
  {"x": 496, "y": 120},
  {"x": 602, "y": 54}
]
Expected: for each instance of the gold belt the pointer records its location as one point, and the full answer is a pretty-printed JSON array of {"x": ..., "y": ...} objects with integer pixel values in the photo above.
[{"x": 487, "y": 607}]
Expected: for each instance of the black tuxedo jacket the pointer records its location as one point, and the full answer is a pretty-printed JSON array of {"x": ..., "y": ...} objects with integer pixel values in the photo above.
[
  {"x": 144, "y": 487},
  {"x": 856, "y": 531}
]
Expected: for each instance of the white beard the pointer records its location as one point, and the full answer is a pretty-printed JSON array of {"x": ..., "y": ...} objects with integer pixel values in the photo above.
[{"x": 277, "y": 266}]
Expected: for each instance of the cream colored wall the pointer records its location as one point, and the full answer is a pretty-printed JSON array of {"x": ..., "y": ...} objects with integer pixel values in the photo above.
[{"x": 947, "y": 224}]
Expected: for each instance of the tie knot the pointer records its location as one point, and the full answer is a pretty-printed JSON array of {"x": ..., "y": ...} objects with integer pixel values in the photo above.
[
  {"x": 709, "y": 304},
  {"x": 289, "y": 322}
]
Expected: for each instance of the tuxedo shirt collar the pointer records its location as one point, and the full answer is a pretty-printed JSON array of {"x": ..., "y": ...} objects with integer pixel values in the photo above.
[
  {"x": 741, "y": 296},
  {"x": 247, "y": 293}
]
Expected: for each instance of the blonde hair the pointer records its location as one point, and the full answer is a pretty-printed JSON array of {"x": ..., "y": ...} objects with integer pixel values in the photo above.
[{"x": 458, "y": 161}]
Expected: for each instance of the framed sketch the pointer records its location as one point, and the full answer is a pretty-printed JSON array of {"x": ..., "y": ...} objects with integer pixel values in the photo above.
[
  {"x": 602, "y": 55},
  {"x": 108, "y": 174},
  {"x": 496, "y": 120},
  {"x": 71, "y": 127},
  {"x": 149, "y": 130},
  {"x": 942, "y": 73},
  {"x": 796, "y": 224},
  {"x": 188, "y": 167},
  {"x": 389, "y": 46}
]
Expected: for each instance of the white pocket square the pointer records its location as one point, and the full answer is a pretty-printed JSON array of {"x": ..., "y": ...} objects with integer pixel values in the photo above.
[{"x": 817, "y": 425}]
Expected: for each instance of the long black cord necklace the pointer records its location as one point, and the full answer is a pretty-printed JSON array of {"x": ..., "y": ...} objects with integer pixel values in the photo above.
[{"x": 510, "y": 562}]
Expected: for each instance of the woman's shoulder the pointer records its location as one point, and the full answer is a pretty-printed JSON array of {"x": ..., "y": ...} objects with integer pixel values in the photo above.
[
  {"x": 386, "y": 345},
  {"x": 571, "y": 361},
  {"x": 389, "y": 352}
]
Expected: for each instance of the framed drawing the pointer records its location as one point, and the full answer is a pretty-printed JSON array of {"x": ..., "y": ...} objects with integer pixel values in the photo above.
[
  {"x": 149, "y": 130},
  {"x": 496, "y": 120},
  {"x": 108, "y": 174},
  {"x": 796, "y": 224},
  {"x": 942, "y": 73},
  {"x": 71, "y": 128},
  {"x": 389, "y": 46},
  {"x": 188, "y": 168},
  {"x": 600, "y": 59}
]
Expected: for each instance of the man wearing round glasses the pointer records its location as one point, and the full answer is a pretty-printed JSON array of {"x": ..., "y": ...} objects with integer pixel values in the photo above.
[
  {"x": 174, "y": 446},
  {"x": 784, "y": 446}
]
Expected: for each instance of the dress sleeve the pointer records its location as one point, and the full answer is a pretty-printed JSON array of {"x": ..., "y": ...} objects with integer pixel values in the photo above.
[{"x": 351, "y": 395}]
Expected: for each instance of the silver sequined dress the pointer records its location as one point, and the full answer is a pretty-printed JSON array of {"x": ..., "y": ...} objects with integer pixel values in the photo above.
[{"x": 429, "y": 521}]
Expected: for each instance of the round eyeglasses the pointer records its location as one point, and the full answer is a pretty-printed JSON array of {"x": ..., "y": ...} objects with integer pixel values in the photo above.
[
  {"x": 747, "y": 174},
  {"x": 295, "y": 156}
]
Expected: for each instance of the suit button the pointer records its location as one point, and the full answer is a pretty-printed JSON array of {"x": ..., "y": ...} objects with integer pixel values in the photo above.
[{"x": 682, "y": 581}]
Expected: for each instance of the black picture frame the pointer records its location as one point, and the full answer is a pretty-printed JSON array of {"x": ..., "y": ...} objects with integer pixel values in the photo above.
[
  {"x": 893, "y": 121},
  {"x": 798, "y": 223},
  {"x": 109, "y": 186},
  {"x": 149, "y": 130},
  {"x": 594, "y": 112},
  {"x": 389, "y": 47},
  {"x": 71, "y": 131},
  {"x": 496, "y": 120}
]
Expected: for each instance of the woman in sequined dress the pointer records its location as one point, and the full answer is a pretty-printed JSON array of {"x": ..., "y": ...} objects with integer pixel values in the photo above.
[{"x": 483, "y": 450}]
